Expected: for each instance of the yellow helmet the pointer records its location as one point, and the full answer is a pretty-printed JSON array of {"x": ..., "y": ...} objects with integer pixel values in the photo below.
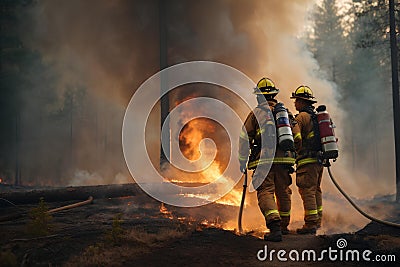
[
  {"x": 266, "y": 87},
  {"x": 304, "y": 92}
]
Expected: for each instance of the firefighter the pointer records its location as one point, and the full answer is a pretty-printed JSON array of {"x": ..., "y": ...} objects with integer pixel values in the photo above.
[
  {"x": 308, "y": 169},
  {"x": 277, "y": 180}
]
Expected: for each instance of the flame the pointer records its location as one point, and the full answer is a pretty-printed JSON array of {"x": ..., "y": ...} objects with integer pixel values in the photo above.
[
  {"x": 233, "y": 198},
  {"x": 189, "y": 140},
  {"x": 166, "y": 212},
  {"x": 191, "y": 136},
  {"x": 204, "y": 223},
  {"x": 1, "y": 180},
  {"x": 215, "y": 223}
]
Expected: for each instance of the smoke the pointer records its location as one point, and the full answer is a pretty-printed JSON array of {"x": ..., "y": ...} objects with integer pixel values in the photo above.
[
  {"x": 110, "y": 47},
  {"x": 99, "y": 52},
  {"x": 82, "y": 177}
]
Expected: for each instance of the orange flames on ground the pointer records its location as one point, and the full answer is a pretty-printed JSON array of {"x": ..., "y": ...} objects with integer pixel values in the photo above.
[
  {"x": 190, "y": 138},
  {"x": 189, "y": 141},
  {"x": 166, "y": 212},
  {"x": 203, "y": 223}
]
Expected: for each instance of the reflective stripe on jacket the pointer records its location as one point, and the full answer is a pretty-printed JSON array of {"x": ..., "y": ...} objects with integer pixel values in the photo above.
[
  {"x": 305, "y": 151},
  {"x": 251, "y": 133}
]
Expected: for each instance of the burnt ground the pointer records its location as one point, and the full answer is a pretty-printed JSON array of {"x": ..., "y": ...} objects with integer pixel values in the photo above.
[{"x": 133, "y": 231}]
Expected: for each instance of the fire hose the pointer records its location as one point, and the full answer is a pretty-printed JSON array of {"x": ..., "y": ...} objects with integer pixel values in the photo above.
[
  {"x": 242, "y": 203},
  {"x": 71, "y": 206},
  {"x": 21, "y": 214},
  {"x": 355, "y": 205}
]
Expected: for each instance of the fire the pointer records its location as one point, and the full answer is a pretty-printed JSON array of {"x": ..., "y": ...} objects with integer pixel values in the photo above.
[
  {"x": 200, "y": 224},
  {"x": 166, "y": 212},
  {"x": 1, "y": 180},
  {"x": 233, "y": 198},
  {"x": 190, "y": 138},
  {"x": 215, "y": 223}
]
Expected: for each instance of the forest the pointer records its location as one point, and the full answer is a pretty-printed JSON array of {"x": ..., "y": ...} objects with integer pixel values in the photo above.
[{"x": 66, "y": 77}]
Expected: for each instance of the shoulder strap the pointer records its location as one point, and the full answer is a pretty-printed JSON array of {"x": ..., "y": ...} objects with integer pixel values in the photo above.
[
  {"x": 317, "y": 138},
  {"x": 269, "y": 111},
  {"x": 269, "y": 129}
]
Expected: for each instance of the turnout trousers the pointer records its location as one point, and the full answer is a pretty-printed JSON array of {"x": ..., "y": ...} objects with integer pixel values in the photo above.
[
  {"x": 308, "y": 180},
  {"x": 276, "y": 184}
]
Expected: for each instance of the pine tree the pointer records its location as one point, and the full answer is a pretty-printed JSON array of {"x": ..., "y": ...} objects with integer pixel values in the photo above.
[
  {"x": 26, "y": 94},
  {"x": 369, "y": 88},
  {"x": 328, "y": 36},
  {"x": 353, "y": 50}
]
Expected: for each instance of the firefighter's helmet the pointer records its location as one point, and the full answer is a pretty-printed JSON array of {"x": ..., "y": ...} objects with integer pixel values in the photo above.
[
  {"x": 266, "y": 87},
  {"x": 304, "y": 92}
]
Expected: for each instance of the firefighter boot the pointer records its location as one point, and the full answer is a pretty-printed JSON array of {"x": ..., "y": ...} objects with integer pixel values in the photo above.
[
  {"x": 308, "y": 228},
  {"x": 275, "y": 234},
  {"x": 284, "y": 224}
]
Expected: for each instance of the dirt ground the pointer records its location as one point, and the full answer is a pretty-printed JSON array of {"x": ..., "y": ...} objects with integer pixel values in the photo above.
[{"x": 139, "y": 231}]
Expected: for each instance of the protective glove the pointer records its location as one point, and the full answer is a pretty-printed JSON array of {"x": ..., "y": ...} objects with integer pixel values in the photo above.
[
  {"x": 291, "y": 169},
  {"x": 243, "y": 166}
]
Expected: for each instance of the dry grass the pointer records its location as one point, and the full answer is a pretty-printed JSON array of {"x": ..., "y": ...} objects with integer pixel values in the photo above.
[
  {"x": 8, "y": 259},
  {"x": 101, "y": 255},
  {"x": 134, "y": 242},
  {"x": 140, "y": 235},
  {"x": 385, "y": 242}
]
